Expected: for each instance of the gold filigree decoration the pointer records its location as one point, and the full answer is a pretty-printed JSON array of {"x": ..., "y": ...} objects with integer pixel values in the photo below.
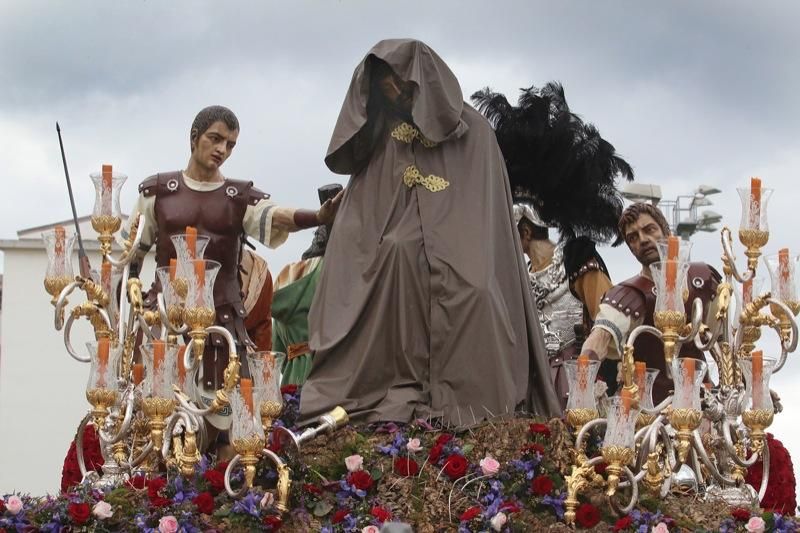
[
  {"x": 412, "y": 176},
  {"x": 405, "y": 132}
]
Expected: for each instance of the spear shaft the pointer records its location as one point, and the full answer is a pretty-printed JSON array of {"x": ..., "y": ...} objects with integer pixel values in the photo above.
[{"x": 82, "y": 258}]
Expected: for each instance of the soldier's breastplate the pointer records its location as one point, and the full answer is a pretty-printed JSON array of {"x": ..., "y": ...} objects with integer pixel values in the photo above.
[
  {"x": 216, "y": 214},
  {"x": 559, "y": 311},
  {"x": 650, "y": 349}
]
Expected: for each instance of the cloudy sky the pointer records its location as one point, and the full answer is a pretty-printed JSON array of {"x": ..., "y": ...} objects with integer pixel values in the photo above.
[{"x": 689, "y": 92}]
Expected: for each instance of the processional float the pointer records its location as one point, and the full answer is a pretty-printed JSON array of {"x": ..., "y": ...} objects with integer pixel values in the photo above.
[
  {"x": 145, "y": 363},
  {"x": 704, "y": 432}
]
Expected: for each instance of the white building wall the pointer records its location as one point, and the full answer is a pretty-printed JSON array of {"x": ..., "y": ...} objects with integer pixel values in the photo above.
[{"x": 42, "y": 388}]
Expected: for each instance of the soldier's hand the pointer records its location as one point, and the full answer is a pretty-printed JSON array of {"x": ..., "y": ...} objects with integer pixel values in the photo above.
[{"x": 327, "y": 212}]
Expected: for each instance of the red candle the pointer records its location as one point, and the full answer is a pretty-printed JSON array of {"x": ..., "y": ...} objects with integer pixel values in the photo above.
[
  {"x": 784, "y": 273},
  {"x": 640, "y": 375},
  {"x": 105, "y": 276},
  {"x": 191, "y": 241},
  {"x": 181, "y": 366},
  {"x": 755, "y": 203},
  {"x": 138, "y": 373},
  {"x": 747, "y": 291},
  {"x": 200, "y": 275},
  {"x": 159, "y": 350},
  {"x": 673, "y": 246},
  {"x": 689, "y": 368},
  {"x": 583, "y": 371},
  {"x": 59, "y": 259},
  {"x": 105, "y": 191},
  {"x": 246, "y": 387},
  {"x": 757, "y": 366},
  {"x": 173, "y": 269},
  {"x": 103, "y": 346},
  {"x": 627, "y": 400}
]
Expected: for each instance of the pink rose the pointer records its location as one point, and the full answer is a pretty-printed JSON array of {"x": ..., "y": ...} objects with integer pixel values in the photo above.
[
  {"x": 414, "y": 445},
  {"x": 755, "y": 525},
  {"x": 353, "y": 463},
  {"x": 267, "y": 500},
  {"x": 498, "y": 521},
  {"x": 370, "y": 529},
  {"x": 14, "y": 505},
  {"x": 489, "y": 466},
  {"x": 661, "y": 527},
  {"x": 102, "y": 510},
  {"x": 168, "y": 524}
]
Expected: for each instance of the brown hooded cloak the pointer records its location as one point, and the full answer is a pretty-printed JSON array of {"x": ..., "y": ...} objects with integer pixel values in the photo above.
[{"x": 423, "y": 307}]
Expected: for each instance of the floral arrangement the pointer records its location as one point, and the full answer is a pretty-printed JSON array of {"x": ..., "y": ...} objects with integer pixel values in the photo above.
[{"x": 505, "y": 475}]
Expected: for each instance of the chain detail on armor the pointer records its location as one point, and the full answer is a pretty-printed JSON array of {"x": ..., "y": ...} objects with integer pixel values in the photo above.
[
  {"x": 412, "y": 176},
  {"x": 558, "y": 309},
  {"x": 405, "y": 132}
]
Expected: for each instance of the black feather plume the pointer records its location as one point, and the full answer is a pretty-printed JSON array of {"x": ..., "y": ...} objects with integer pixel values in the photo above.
[{"x": 557, "y": 161}]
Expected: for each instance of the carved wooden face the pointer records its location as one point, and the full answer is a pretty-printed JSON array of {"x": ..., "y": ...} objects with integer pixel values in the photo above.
[{"x": 213, "y": 147}]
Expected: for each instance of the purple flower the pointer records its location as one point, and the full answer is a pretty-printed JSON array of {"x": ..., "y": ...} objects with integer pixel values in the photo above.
[
  {"x": 557, "y": 503},
  {"x": 248, "y": 505}
]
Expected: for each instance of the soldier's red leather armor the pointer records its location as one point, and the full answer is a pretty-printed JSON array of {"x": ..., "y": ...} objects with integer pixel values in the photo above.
[
  {"x": 219, "y": 215},
  {"x": 636, "y": 298}
]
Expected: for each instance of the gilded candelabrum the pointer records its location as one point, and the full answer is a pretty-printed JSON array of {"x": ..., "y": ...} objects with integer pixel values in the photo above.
[
  {"x": 785, "y": 321},
  {"x": 684, "y": 421},
  {"x": 616, "y": 458},
  {"x": 576, "y": 482},
  {"x": 55, "y": 284},
  {"x": 577, "y": 418},
  {"x": 198, "y": 318},
  {"x": 753, "y": 240},
  {"x": 102, "y": 399},
  {"x": 91, "y": 311},
  {"x": 249, "y": 448},
  {"x": 670, "y": 324},
  {"x": 270, "y": 410},
  {"x": 106, "y": 226},
  {"x": 757, "y": 420},
  {"x": 157, "y": 410},
  {"x": 185, "y": 452}
]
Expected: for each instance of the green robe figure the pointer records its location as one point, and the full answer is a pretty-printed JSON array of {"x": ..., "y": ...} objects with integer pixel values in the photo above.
[{"x": 294, "y": 292}]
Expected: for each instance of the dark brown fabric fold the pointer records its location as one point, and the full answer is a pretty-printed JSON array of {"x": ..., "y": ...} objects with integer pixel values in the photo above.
[{"x": 423, "y": 306}]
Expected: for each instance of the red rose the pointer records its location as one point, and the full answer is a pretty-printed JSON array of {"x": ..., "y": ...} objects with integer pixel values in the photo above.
[
  {"x": 154, "y": 487},
  {"x": 600, "y": 469},
  {"x": 435, "y": 454},
  {"x": 533, "y": 448},
  {"x": 406, "y": 467},
  {"x": 455, "y": 466},
  {"x": 340, "y": 515},
  {"x": 222, "y": 466},
  {"x": 470, "y": 513},
  {"x": 70, "y": 472},
  {"x": 510, "y": 507},
  {"x": 781, "y": 495},
  {"x": 136, "y": 482},
  {"x": 443, "y": 439},
  {"x": 216, "y": 480},
  {"x": 623, "y": 523},
  {"x": 273, "y": 522},
  {"x": 312, "y": 489},
  {"x": 742, "y": 515},
  {"x": 587, "y": 515},
  {"x": 360, "y": 479},
  {"x": 380, "y": 513},
  {"x": 540, "y": 429},
  {"x": 542, "y": 485},
  {"x": 2, "y": 506},
  {"x": 79, "y": 512},
  {"x": 289, "y": 389},
  {"x": 204, "y": 502}
]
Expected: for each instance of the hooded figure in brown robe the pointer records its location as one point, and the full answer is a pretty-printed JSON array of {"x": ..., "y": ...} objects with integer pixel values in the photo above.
[{"x": 423, "y": 307}]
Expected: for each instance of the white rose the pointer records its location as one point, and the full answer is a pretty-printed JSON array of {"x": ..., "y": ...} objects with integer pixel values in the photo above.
[{"x": 102, "y": 510}]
